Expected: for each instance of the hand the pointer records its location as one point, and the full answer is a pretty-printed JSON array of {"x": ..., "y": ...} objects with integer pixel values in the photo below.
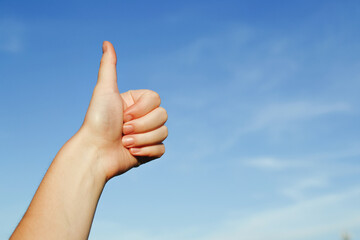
[
  {"x": 63, "y": 207},
  {"x": 126, "y": 129}
]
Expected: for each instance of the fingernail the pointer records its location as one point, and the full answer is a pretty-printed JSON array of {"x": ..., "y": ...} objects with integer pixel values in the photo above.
[
  {"x": 128, "y": 118},
  {"x": 128, "y": 141},
  {"x": 135, "y": 150},
  {"x": 128, "y": 129}
]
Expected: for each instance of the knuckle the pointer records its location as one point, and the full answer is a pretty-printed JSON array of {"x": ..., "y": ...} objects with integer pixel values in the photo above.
[
  {"x": 130, "y": 92},
  {"x": 163, "y": 113},
  {"x": 162, "y": 150},
  {"x": 107, "y": 61},
  {"x": 166, "y": 131},
  {"x": 156, "y": 151},
  {"x": 154, "y": 95},
  {"x": 102, "y": 61}
]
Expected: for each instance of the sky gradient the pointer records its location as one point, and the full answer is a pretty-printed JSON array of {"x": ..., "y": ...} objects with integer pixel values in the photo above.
[{"x": 263, "y": 102}]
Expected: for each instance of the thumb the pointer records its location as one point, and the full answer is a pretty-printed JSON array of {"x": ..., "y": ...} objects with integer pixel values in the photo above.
[{"x": 107, "y": 78}]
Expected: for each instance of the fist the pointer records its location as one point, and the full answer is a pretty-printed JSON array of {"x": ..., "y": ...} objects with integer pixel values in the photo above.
[{"x": 126, "y": 129}]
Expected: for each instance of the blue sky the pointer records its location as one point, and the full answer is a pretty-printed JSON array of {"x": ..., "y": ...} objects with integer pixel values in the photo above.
[{"x": 263, "y": 110}]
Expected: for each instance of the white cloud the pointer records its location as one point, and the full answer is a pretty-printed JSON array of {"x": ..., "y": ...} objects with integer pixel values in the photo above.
[
  {"x": 279, "y": 117},
  {"x": 281, "y": 114},
  {"x": 298, "y": 190},
  {"x": 318, "y": 218},
  {"x": 325, "y": 217},
  {"x": 306, "y": 162},
  {"x": 248, "y": 67},
  {"x": 271, "y": 163},
  {"x": 309, "y": 172}
]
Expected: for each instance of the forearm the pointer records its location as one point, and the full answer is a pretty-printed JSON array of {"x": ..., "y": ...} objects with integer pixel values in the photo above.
[
  {"x": 64, "y": 204},
  {"x": 120, "y": 131}
]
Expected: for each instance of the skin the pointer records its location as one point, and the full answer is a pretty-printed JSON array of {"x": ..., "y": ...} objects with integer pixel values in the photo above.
[{"x": 119, "y": 132}]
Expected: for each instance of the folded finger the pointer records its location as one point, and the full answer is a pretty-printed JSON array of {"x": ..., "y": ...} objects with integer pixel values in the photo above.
[
  {"x": 148, "y": 101},
  {"x": 145, "y": 139},
  {"x": 154, "y": 151},
  {"x": 149, "y": 122}
]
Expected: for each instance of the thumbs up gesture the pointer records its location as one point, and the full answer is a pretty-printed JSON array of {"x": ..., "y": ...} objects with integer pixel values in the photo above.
[{"x": 127, "y": 129}]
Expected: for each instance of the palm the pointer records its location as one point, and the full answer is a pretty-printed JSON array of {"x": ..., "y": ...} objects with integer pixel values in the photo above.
[{"x": 104, "y": 120}]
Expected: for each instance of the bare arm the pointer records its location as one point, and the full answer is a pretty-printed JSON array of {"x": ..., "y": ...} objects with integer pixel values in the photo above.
[{"x": 120, "y": 131}]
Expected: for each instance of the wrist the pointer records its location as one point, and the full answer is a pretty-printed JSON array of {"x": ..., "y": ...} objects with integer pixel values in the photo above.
[
  {"x": 112, "y": 158},
  {"x": 83, "y": 157}
]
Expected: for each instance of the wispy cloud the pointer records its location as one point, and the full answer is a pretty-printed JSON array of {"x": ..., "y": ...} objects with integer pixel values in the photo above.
[
  {"x": 276, "y": 118},
  {"x": 254, "y": 91},
  {"x": 272, "y": 163},
  {"x": 298, "y": 190},
  {"x": 324, "y": 217},
  {"x": 306, "y": 174},
  {"x": 281, "y": 114},
  {"x": 311, "y": 219},
  {"x": 314, "y": 161}
]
